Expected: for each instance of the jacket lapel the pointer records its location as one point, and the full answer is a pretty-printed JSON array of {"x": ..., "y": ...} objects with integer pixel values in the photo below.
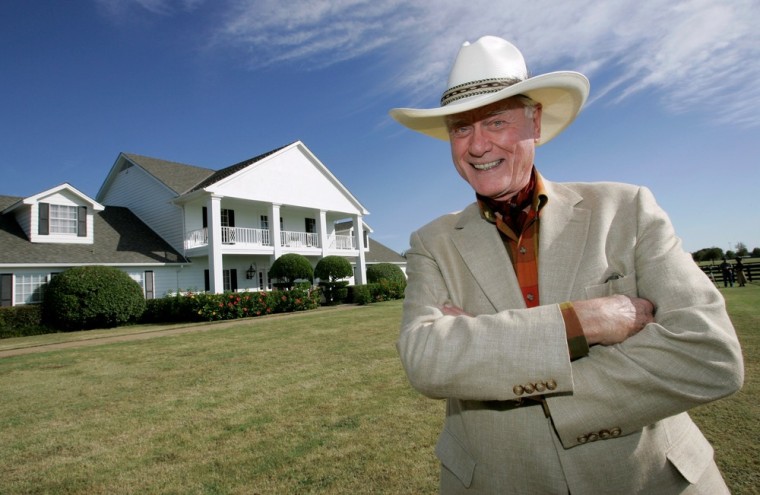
[
  {"x": 483, "y": 253},
  {"x": 563, "y": 235},
  {"x": 562, "y": 239}
]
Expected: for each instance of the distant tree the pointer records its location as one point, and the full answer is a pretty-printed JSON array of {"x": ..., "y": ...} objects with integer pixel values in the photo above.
[
  {"x": 756, "y": 252},
  {"x": 332, "y": 268},
  {"x": 291, "y": 267},
  {"x": 730, "y": 254},
  {"x": 708, "y": 254},
  {"x": 741, "y": 249}
]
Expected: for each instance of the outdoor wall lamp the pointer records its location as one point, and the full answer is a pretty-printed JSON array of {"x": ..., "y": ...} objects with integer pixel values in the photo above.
[{"x": 251, "y": 272}]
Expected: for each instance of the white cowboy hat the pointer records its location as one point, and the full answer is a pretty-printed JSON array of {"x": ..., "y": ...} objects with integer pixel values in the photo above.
[{"x": 490, "y": 70}]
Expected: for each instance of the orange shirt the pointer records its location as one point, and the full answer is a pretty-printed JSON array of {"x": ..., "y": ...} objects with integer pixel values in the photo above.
[{"x": 517, "y": 221}]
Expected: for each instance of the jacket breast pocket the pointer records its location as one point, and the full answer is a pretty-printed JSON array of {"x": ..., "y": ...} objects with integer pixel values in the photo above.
[{"x": 616, "y": 284}]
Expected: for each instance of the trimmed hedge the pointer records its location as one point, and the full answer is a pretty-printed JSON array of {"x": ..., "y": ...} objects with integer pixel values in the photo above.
[
  {"x": 191, "y": 307},
  {"x": 382, "y": 291},
  {"x": 386, "y": 271},
  {"x": 87, "y": 297},
  {"x": 22, "y": 321}
]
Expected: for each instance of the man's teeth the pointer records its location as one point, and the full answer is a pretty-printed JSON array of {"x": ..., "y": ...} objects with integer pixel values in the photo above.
[{"x": 486, "y": 166}]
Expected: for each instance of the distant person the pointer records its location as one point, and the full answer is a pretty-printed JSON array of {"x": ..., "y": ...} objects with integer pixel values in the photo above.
[
  {"x": 728, "y": 273},
  {"x": 741, "y": 279},
  {"x": 564, "y": 324}
]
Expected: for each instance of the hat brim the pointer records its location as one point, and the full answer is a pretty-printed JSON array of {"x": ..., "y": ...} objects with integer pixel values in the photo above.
[{"x": 561, "y": 95}]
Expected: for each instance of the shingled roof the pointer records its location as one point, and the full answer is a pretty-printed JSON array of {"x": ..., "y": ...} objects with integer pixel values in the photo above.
[
  {"x": 380, "y": 253},
  {"x": 179, "y": 177},
  {"x": 120, "y": 238}
]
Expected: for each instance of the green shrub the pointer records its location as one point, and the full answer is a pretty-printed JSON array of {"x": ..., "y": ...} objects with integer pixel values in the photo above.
[
  {"x": 176, "y": 308},
  {"x": 334, "y": 292},
  {"x": 21, "y": 321},
  {"x": 89, "y": 297},
  {"x": 362, "y": 294},
  {"x": 386, "y": 271},
  {"x": 291, "y": 267},
  {"x": 333, "y": 268}
]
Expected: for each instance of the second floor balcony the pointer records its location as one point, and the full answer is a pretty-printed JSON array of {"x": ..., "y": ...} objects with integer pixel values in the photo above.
[{"x": 242, "y": 237}]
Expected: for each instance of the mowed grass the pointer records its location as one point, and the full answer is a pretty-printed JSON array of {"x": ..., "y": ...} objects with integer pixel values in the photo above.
[{"x": 312, "y": 402}]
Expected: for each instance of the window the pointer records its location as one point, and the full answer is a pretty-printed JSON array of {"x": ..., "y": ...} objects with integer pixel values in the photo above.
[
  {"x": 29, "y": 288},
  {"x": 311, "y": 225},
  {"x": 264, "y": 222},
  {"x": 228, "y": 224},
  {"x": 229, "y": 280},
  {"x": 63, "y": 219}
]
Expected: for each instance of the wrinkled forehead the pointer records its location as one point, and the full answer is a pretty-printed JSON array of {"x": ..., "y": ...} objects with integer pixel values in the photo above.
[{"x": 514, "y": 103}]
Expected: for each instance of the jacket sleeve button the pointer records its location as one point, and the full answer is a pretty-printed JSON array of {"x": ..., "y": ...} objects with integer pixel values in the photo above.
[
  {"x": 529, "y": 388},
  {"x": 518, "y": 390},
  {"x": 540, "y": 386},
  {"x": 551, "y": 385},
  {"x": 605, "y": 434}
]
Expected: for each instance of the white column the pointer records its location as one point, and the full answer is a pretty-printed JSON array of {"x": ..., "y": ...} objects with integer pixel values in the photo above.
[
  {"x": 322, "y": 228},
  {"x": 361, "y": 265},
  {"x": 215, "y": 260},
  {"x": 274, "y": 229}
]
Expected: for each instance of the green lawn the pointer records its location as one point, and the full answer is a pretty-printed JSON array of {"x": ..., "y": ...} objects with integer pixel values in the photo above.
[{"x": 313, "y": 402}]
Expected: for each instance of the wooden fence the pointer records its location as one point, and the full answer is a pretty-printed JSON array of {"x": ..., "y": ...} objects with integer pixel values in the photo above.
[{"x": 751, "y": 271}]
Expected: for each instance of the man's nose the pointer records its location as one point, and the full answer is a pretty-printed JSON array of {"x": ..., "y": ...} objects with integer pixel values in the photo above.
[{"x": 480, "y": 141}]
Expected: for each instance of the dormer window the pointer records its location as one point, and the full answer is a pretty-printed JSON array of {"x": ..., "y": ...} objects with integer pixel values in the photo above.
[{"x": 62, "y": 220}]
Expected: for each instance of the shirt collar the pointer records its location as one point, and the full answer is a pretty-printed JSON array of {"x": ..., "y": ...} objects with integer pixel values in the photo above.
[{"x": 539, "y": 199}]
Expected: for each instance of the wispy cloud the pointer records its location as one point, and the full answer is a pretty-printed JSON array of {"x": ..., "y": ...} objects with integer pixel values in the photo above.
[
  {"x": 160, "y": 7},
  {"x": 696, "y": 56}
]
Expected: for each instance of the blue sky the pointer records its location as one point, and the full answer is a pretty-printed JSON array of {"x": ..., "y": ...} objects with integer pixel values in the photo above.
[{"x": 674, "y": 105}]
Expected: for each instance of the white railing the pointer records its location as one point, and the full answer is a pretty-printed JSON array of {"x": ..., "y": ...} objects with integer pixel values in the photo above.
[
  {"x": 298, "y": 239},
  {"x": 241, "y": 236},
  {"x": 230, "y": 235},
  {"x": 342, "y": 242},
  {"x": 196, "y": 238}
]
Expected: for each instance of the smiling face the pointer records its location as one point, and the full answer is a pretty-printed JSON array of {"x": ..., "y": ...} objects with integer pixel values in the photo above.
[{"x": 493, "y": 146}]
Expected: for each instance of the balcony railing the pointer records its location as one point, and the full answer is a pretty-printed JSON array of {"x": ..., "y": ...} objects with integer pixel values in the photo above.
[
  {"x": 241, "y": 236},
  {"x": 298, "y": 239}
]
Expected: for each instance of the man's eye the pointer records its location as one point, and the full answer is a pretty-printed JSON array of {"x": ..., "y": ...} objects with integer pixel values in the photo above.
[
  {"x": 498, "y": 124},
  {"x": 460, "y": 130}
]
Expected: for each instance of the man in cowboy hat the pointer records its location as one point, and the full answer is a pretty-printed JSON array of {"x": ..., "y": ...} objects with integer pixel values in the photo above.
[{"x": 564, "y": 324}]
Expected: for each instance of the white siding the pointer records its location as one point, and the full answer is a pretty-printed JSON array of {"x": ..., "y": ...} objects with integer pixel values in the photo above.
[
  {"x": 150, "y": 201},
  {"x": 289, "y": 178}
]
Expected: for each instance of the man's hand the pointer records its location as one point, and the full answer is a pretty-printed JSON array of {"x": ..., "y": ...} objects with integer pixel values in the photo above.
[{"x": 611, "y": 320}]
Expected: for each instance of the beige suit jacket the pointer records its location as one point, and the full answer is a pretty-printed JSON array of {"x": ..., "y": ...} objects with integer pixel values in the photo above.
[{"x": 618, "y": 422}]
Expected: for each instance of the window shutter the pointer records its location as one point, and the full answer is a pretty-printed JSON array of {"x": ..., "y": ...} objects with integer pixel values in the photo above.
[
  {"x": 6, "y": 289},
  {"x": 149, "y": 288},
  {"x": 205, "y": 217},
  {"x": 43, "y": 227},
  {"x": 233, "y": 279},
  {"x": 82, "y": 221},
  {"x": 206, "y": 281},
  {"x": 231, "y": 218}
]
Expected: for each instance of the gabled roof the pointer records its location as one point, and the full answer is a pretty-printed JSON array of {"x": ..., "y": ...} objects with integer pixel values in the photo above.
[
  {"x": 380, "y": 253},
  {"x": 120, "y": 238},
  {"x": 53, "y": 190},
  {"x": 180, "y": 177}
]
